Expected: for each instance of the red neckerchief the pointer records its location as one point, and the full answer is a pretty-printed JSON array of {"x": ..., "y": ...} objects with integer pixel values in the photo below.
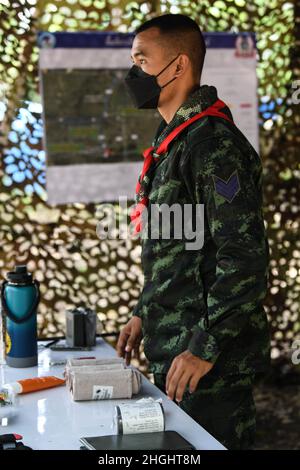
[{"x": 149, "y": 159}]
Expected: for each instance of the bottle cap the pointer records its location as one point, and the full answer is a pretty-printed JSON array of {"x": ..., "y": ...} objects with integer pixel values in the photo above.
[{"x": 20, "y": 275}]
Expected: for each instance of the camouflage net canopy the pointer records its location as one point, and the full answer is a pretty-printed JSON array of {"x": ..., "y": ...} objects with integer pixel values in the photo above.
[{"x": 59, "y": 244}]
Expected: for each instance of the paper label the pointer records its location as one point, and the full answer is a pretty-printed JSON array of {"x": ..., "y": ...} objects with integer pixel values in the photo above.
[
  {"x": 142, "y": 417},
  {"x": 102, "y": 392}
]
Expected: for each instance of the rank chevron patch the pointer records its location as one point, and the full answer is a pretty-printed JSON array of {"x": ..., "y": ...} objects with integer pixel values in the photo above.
[{"x": 228, "y": 189}]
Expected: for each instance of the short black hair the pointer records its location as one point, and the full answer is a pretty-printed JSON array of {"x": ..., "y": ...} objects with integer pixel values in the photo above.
[{"x": 179, "y": 33}]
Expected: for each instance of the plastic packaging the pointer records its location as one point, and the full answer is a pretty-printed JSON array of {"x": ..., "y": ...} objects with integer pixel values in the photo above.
[{"x": 8, "y": 404}]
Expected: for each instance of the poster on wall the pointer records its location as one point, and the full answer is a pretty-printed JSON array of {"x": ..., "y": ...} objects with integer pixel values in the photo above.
[{"x": 93, "y": 136}]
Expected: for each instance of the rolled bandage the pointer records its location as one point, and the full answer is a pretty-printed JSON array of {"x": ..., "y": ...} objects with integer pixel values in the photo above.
[
  {"x": 95, "y": 362},
  {"x": 145, "y": 415},
  {"x": 100, "y": 380},
  {"x": 75, "y": 364}
]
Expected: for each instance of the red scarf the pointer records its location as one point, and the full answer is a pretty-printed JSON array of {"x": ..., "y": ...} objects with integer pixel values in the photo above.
[{"x": 149, "y": 159}]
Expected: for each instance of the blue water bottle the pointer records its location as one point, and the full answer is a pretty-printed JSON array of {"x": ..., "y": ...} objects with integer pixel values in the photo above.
[{"x": 20, "y": 296}]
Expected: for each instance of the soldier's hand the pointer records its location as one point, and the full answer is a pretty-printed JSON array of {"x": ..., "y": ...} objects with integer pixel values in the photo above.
[
  {"x": 185, "y": 369},
  {"x": 130, "y": 339}
]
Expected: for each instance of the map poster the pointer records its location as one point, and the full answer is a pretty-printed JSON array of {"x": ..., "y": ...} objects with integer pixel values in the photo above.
[{"x": 94, "y": 137}]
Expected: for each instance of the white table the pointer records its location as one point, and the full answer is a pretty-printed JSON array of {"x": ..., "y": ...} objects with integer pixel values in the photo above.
[{"x": 50, "y": 419}]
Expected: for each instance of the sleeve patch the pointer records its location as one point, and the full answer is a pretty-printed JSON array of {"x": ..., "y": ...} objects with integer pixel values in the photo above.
[{"x": 227, "y": 189}]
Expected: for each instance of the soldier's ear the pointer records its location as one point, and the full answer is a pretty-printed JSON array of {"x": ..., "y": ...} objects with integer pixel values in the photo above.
[{"x": 182, "y": 65}]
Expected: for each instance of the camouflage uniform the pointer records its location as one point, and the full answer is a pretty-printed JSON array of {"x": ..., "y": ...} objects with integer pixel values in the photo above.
[
  {"x": 209, "y": 301},
  {"x": 224, "y": 406}
]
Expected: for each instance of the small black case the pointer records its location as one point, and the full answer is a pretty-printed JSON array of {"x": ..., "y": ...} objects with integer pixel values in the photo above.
[{"x": 81, "y": 327}]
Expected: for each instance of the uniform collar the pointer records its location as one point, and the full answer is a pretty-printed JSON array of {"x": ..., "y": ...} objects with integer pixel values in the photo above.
[{"x": 197, "y": 101}]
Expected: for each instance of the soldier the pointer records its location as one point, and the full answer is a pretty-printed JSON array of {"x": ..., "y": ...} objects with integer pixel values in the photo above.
[{"x": 200, "y": 312}]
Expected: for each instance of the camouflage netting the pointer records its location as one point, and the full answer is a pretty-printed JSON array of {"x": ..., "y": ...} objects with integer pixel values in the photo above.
[{"x": 60, "y": 244}]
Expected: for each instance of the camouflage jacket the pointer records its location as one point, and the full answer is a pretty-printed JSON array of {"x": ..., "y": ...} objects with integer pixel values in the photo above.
[{"x": 209, "y": 300}]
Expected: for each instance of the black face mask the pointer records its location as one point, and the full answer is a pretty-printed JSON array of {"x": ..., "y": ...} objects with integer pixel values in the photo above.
[{"x": 144, "y": 88}]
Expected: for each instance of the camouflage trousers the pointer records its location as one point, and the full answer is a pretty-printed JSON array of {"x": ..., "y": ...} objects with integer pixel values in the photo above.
[{"x": 222, "y": 406}]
